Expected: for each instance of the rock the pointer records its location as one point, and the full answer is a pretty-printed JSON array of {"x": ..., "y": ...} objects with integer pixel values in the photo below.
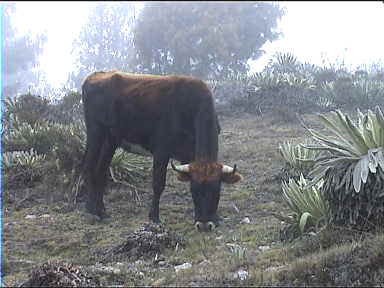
[
  {"x": 245, "y": 221},
  {"x": 30, "y": 217},
  {"x": 183, "y": 266},
  {"x": 241, "y": 274},
  {"x": 204, "y": 262},
  {"x": 274, "y": 268},
  {"x": 105, "y": 269},
  {"x": 264, "y": 248},
  {"x": 158, "y": 282}
]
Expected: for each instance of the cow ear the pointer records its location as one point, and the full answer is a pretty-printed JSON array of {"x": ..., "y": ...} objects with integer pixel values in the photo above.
[
  {"x": 183, "y": 177},
  {"x": 231, "y": 178}
]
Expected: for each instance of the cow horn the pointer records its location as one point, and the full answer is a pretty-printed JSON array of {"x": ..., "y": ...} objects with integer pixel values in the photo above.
[
  {"x": 228, "y": 169},
  {"x": 180, "y": 168}
]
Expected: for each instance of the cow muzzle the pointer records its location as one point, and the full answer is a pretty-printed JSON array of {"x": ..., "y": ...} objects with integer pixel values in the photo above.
[{"x": 205, "y": 227}]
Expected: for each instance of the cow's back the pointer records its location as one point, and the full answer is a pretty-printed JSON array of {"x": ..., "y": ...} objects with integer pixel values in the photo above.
[{"x": 142, "y": 106}]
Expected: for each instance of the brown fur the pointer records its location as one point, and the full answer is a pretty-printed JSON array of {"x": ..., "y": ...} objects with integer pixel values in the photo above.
[
  {"x": 172, "y": 116},
  {"x": 203, "y": 172}
]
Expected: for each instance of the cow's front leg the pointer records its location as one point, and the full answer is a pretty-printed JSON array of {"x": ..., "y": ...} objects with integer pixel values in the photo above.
[{"x": 158, "y": 184}]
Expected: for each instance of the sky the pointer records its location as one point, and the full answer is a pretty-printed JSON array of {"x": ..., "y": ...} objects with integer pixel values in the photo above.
[{"x": 312, "y": 31}]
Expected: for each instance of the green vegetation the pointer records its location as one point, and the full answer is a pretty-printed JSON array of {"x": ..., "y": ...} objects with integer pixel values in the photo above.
[
  {"x": 307, "y": 203},
  {"x": 353, "y": 167}
]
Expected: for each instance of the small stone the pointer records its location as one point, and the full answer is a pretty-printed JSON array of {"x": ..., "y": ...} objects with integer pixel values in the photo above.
[
  {"x": 158, "y": 282},
  {"x": 45, "y": 216},
  {"x": 30, "y": 217},
  {"x": 183, "y": 266},
  {"x": 241, "y": 274},
  {"x": 204, "y": 262},
  {"x": 246, "y": 221},
  {"x": 274, "y": 268},
  {"x": 264, "y": 248}
]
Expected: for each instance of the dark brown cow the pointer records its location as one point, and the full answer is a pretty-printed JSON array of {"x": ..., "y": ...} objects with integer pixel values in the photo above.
[{"x": 170, "y": 116}]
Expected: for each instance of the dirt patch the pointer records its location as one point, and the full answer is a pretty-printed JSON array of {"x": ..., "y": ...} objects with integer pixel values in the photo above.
[{"x": 147, "y": 241}]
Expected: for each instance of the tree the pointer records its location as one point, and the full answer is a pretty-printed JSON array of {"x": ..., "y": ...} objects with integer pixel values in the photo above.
[
  {"x": 105, "y": 41},
  {"x": 20, "y": 57},
  {"x": 204, "y": 39}
]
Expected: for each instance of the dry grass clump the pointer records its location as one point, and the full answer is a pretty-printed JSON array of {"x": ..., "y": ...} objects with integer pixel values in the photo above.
[{"x": 60, "y": 274}]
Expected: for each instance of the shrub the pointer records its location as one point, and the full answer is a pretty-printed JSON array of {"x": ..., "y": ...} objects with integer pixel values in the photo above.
[
  {"x": 23, "y": 168},
  {"x": 307, "y": 204},
  {"x": 67, "y": 109},
  {"x": 29, "y": 109},
  {"x": 352, "y": 168},
  {"x": 297, "y": 156}
]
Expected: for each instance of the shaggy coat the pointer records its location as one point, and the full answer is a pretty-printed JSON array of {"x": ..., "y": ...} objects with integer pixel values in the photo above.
[{"x": 170, "y": 116}]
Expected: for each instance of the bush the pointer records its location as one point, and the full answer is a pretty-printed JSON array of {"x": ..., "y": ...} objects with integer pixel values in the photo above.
[
  {"x": 308, "y": 206},
  {"x": 29, "y": 109},
  {"x": 288, "y": 86},
  {"x": 23, "y": 168},
  {"x": 352, "y": 168},
  {"x": 68, "y": 109},
  {"x": 298, "y": 159}
]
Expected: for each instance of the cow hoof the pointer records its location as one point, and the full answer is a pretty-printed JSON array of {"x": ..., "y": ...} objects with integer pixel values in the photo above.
[
  {"x": 105, "y": 218},
  {"x": 198, "y": 226},
  {"x": 211, "y": 226},
  {"x": 90, "y": 219}
]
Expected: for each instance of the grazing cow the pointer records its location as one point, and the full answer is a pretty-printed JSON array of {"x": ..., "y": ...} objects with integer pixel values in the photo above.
[{"x": 170, "y": 116}]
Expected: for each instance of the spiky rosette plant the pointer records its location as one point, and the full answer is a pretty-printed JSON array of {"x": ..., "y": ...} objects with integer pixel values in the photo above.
[
  {"x": 307, "y": 204},
  {"x": 352, "y": 168},
  {"x": 298, "y": 159}
]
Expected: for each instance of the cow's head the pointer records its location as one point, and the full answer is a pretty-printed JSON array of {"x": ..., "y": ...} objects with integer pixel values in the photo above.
[{"x": 206, "y": 179}]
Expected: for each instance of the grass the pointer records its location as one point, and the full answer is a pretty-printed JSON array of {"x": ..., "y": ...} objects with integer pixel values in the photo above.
[{"x": 250, "y": 142}]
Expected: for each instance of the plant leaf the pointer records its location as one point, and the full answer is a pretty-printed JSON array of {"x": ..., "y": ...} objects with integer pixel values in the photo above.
[{"x": 303, "y": 220}]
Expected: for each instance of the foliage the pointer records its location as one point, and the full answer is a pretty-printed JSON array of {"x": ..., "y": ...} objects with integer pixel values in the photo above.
[
  {"x": 44, "y": 137},
  {"x": 22, "y": 52},
  {"x": 207, "y": 40},
  {"x": 297, "y": 155},
  {"x": 294, "y": 92},
  {"x": 23, "y": 168},
  {"x": 67, "y": 109},
  {"x": 361, "y": 144},
  {"x": 353, "y": 165},
  {"x": 28, "y": 108},
  {"x": 298, "y": 160},
  {"x": 55, "y": 137},
  {"x": 127, "y": 168},
  {"x": 105, "y": 41},
  {"x": 302, "y": 88},
  {"x": 308, "y": 206},
  {"x": 364, "y": 209}
]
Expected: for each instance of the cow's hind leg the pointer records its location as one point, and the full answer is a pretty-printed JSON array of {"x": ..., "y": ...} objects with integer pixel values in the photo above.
[
  {"x": 107, "y": 150},
  {"x": 93, "y": 149},
  {"x": 98, "y": 157},
  {"x": 159, "y": 174}
]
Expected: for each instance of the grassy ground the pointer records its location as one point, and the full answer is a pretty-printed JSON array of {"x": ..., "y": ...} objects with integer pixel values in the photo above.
[{"x": 245, "y": 250}]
